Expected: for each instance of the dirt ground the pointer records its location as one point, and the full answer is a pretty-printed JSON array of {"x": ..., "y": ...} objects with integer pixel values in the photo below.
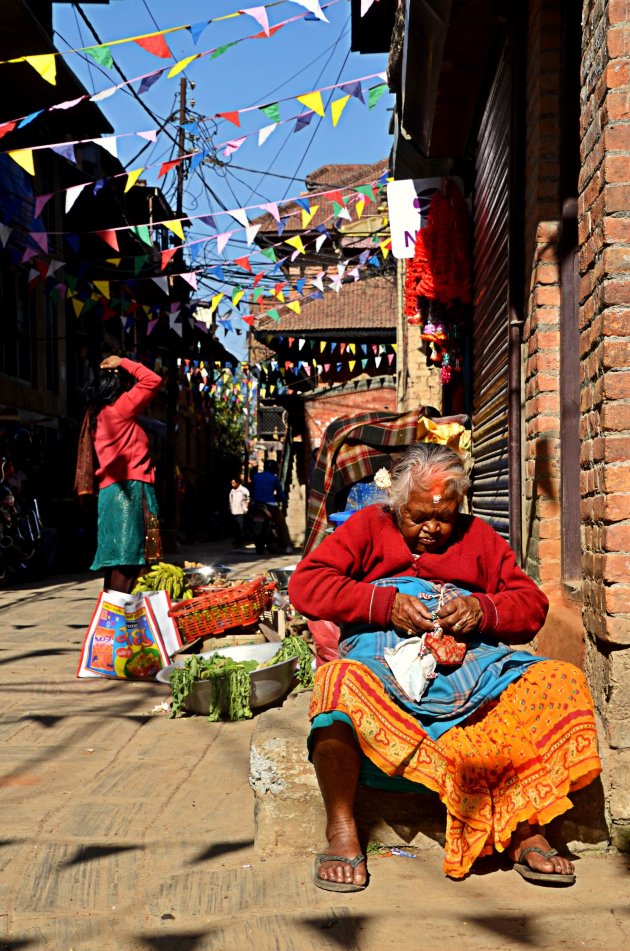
[{"x": 124, "y": 830}]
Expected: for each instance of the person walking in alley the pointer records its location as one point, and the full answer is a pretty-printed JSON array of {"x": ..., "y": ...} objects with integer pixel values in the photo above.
[
  {"x": 239, "y": 504},
  {"x": 267, "y": 490},
  {"x": 124, "y": 472}
]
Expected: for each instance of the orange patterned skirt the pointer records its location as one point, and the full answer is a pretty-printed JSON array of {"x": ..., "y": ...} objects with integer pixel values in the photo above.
[{"x": 515, "y": 761}]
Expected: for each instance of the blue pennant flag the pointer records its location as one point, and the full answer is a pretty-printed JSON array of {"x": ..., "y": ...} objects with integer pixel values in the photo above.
[
  {"x": 322, "y": 229},
  {"x": 353, "y": 89},
  {"x": 148, "y": 81},
  {"x": 217, "y": 271},
  {"x": 282, "y": 225},
  {"x": 98, "y": 186},
  {"x": 302, "y": 121},
  {"x": 316, "y": 295},
  {"x": 209, "y": 220},
  {"x": 277, "y": 266},
  {"x": 363, "y": 257},
  {"x": 65, "y": 151},
  {"x": 375, "y": 261},
  {"x": 193, "y": 250},
  {"x": 74, "y": 241},
  {"x": 27, "y": 119},
  {"x": 196, "y": 29},
  {"x": 299, "y": 285},
  {"x": 196, "y": 161},
  {"x": 303, "y": 203}
]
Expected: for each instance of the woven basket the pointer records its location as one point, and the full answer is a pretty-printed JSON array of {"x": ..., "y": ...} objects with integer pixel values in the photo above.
[{"x": 222, "y": 608}]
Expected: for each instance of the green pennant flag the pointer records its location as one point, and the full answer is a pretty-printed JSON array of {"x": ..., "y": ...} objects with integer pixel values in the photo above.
[
  {"x": 101, "y": 55},
  {"x": 72, "y": 282},
  {"x": 88, "y": 305},
  {"x": 273, "y": 314},
  {"x": 258, "y": 293},
  {"x": 142, "y": 232},
  {"x": 270, "y": 254},
  {"x": 337, "y": 208},
  {"x": 375, "y": 93},
  {"x": 220, "y": 50},
  {"x": 366, "y": 190},
  {"x": 363, "y": 364},
  {"x": 272, "y": 110},
  {"x": 139, "y": 262}
]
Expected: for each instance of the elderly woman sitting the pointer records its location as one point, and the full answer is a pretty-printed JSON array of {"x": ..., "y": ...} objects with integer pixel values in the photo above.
[{"x": 426, "y": 690}]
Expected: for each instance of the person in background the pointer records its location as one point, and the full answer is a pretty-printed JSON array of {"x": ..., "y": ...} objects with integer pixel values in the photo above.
[
  {"x": 239, "y": 504},
  {"x": 124, "y": 472},
  {"x": 267, "y": 490}
]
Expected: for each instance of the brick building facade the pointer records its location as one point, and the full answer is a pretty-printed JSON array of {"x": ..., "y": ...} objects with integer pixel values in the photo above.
[{"x": 544, "y": 89}]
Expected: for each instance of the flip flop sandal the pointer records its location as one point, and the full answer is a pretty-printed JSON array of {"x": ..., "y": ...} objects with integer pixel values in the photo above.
[
  {"x": 337, "y": 886},
  {"x": 542, "y": 878}
]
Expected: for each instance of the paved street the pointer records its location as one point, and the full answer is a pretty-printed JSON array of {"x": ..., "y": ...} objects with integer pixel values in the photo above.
[{"x": 124, "y": 830}]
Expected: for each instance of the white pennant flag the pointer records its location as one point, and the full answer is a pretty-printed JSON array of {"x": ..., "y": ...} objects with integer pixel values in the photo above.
[
  {"x": 53, "y": 267},
  {"x": 265, "y": 132},
  {"x": 72, "y": 194},
  {"x": 175, "y": 323},
  {"x": 319, "y": 241},
  {"x": 318, "y": 281},
  {"x": 241, "y": 217},
  {"x": 251, "y": 232},
  {"x": 313, "y": 7},
  {"x": 5, "y": 234},
  {"x": 110, "y": 144},
  {"x": 162, "y": 283},
  {"x": 301, "y": 343}
]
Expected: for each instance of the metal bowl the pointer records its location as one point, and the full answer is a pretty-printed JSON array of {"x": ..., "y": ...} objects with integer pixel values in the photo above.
[
  {"x": 206, "y": 574},
  {"x": 281, "y": 575},
  {"x": 267, "y": 685}
]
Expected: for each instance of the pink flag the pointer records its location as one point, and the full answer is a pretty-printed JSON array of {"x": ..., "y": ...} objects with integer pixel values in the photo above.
[
  {"x": 191, "y": 278},
  {"x": 233, "y": 146},
  {"x": 40, "y": 201},
  {"x": 260, "y": 15}
]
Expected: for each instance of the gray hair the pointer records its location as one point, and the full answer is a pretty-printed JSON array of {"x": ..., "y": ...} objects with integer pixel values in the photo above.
[{"x": 420, "y": 467}]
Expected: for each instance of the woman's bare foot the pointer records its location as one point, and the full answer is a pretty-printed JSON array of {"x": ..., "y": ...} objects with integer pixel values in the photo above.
[
  {"x": 526, "y": 837},
  {"x": 343, "y": 840}
]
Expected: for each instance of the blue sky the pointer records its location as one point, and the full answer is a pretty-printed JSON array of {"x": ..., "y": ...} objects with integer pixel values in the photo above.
[{"x": 303, "y": 56}]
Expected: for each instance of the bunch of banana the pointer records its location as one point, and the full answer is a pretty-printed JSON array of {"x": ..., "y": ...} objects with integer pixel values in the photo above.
[{"x": 165, "y": 577}]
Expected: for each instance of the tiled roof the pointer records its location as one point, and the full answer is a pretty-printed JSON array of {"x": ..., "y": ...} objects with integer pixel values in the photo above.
[
  {"x": 326, "y": 178},
  {"x": 360, "y": 307}
]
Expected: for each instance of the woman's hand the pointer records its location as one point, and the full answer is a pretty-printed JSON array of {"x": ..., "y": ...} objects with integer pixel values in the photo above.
[
  {"x": 461, "y": 616},
  {"x": 111, "y": 363},
  {"x": 410, "y": 615}
]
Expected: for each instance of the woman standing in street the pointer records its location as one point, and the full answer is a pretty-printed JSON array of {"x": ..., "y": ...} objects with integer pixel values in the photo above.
[{"x": 124, "y": 473}]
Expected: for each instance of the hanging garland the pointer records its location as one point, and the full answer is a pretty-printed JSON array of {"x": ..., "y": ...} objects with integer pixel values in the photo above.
[{"x": 438, "y": 279}]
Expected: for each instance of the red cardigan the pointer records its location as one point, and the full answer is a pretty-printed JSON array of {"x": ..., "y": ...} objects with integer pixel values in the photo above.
[
  {"x": 121, "y": 444},
  {"x": 331, "y": 582}
]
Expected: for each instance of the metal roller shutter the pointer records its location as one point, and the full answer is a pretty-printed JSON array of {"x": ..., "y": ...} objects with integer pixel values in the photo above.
[{"x": 490, "y": 498}]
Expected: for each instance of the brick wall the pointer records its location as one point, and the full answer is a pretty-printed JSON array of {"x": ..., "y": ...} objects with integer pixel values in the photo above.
[
  {"x": 541, "y": 338},
  {"x": 604, "y": 220}
]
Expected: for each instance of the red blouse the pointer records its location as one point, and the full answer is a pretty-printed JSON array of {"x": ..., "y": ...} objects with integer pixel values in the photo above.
[
  {"x": 332, "y": 582},
  {"x": 121, "y": 444}
]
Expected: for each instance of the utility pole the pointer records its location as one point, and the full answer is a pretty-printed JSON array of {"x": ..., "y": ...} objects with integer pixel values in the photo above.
[{"x": 170, "y": 503}]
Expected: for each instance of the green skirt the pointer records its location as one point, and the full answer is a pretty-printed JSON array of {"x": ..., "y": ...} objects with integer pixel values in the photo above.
[{"x": 121, "y": 529}]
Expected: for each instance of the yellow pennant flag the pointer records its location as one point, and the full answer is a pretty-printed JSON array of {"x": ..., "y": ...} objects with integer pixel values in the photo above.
[
  {"x": 322, "y": 346},
  {"x": 45, "y": 65},
  {"x": 351, "y": 365},
  {"x": 78, "y": 306},
  {"x": 238, "y": 295},
  {"x": 179, "y": 67},
  {"x": 359, "y": 206},
  {"x": 394, "y": 347},
  {"x": 352, "y": 348},
  {"x": 216, "y": 300},
  {"x": 337, "y": 107},
  {"x": 307, "y": 216},
  {"x": 385, "y": 248},
  {"x": 103, "y": 287},
  {"x": 24, "y": 158},
  {"x": 295, "y": 306},
  {"x": 313, "y": 101},
  {"x": 296, "y": 243},
  {"x": 132, "y": 177},
  {"x": 114, "y": 261},
  {"x": 280, "y": 297},
  {"x": 176, "y": 227}
]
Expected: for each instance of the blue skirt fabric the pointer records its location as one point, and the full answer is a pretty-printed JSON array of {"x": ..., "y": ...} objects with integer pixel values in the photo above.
[{"x": 121, "y": 528}]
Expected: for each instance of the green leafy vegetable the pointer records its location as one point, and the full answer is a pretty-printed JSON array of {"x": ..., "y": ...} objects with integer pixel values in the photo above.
[{"x": 295, "y": 647}]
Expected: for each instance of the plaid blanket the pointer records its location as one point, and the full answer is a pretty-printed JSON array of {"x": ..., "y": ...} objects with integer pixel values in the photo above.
[{"x": 356, "y": 448}]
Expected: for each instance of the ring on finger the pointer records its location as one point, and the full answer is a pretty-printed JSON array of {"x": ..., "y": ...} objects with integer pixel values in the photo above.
[
  {"x": 457, "y": 626},
  {"x": 410, "y": 632}
]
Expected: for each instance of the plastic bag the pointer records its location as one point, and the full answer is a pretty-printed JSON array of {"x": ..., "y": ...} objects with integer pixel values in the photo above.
[
  {"x": 326, "y": 640},
  {"x": 130, "y": 637}
]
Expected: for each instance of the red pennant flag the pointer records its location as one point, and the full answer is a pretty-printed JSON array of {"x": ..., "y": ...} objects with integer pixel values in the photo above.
[
  {"x": 244, "y": 263},
  {"x": 167, "y": 166},
  {"x": 291, "y": 342},
  {"x": 232, "y": 117},
  {"x": 166, "y": 257},
  {"x": 249, "y": 319},
  {"x": 335, "y": 196},
  {"x": 109, "y": 237},
  {"x": 7, "y": 127},
  {"x": 42, "y": 267},
  {"x": 258, "y": 277},
  {"x": 156, "y": 45},
  {"x": 278, "y": 287},
  {"x": 272, "y": 30},
  {"x": 108, "y": 313}
]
